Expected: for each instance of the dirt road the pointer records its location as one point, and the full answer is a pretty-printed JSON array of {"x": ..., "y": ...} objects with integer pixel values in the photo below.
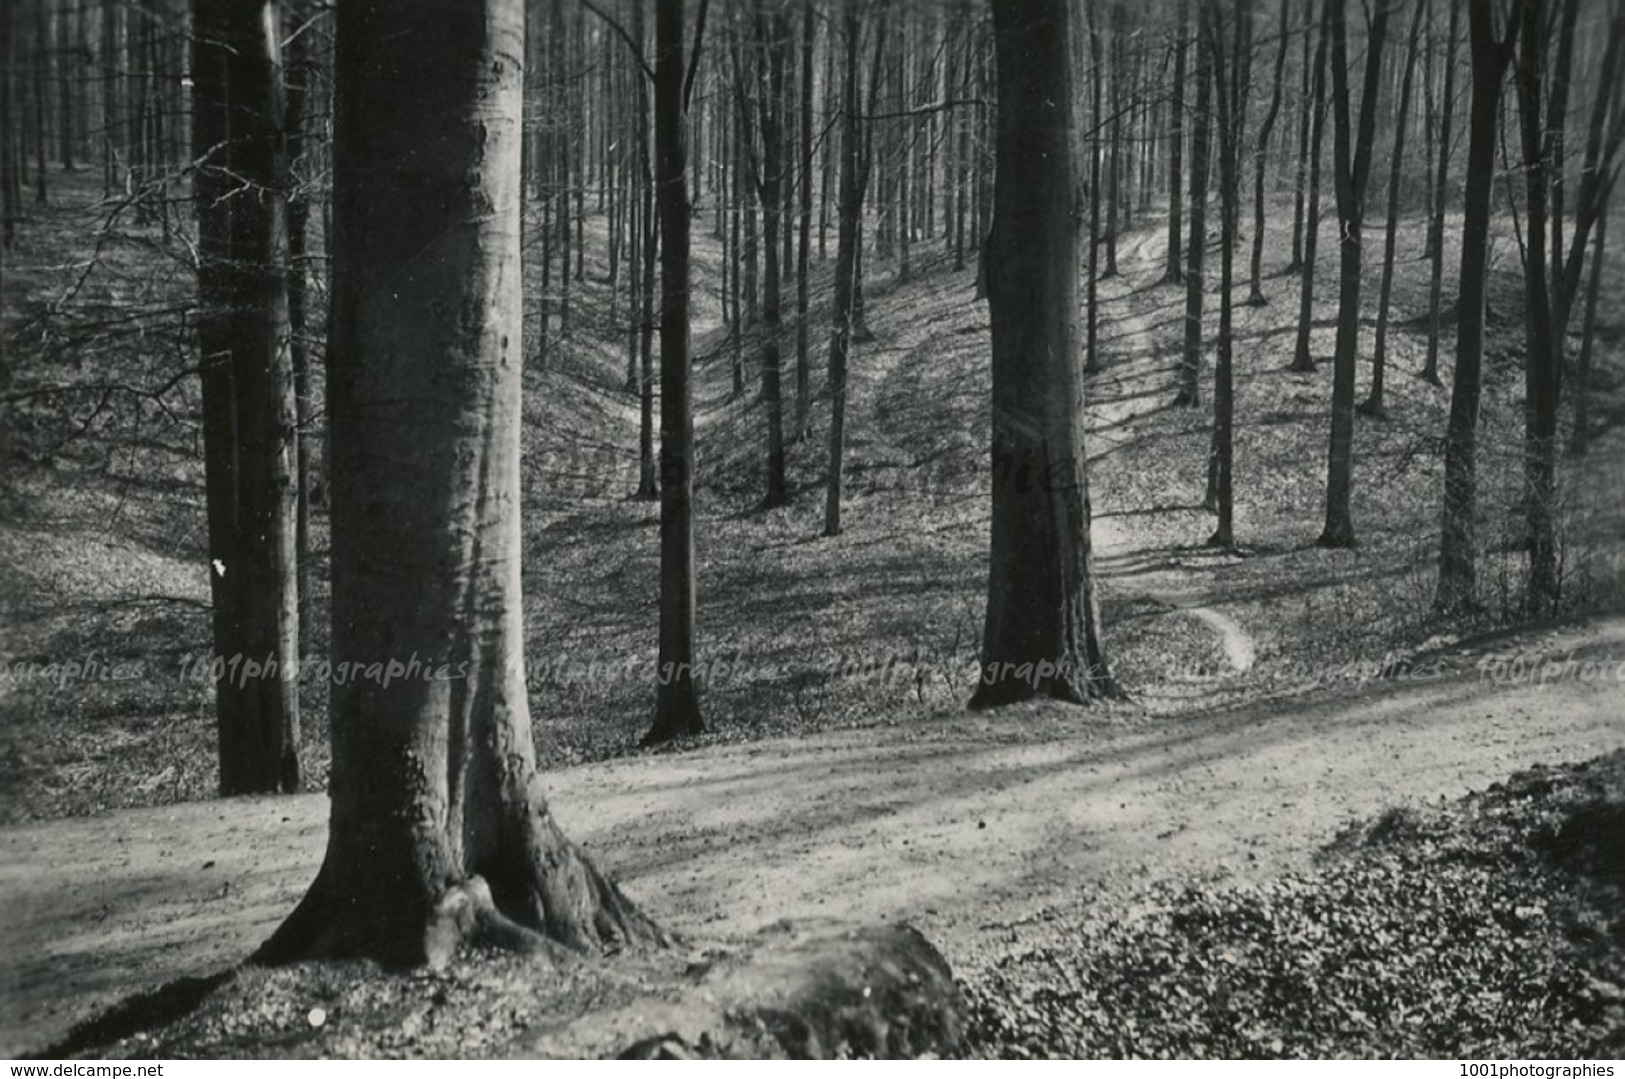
[{"x": 961, "y": 826}]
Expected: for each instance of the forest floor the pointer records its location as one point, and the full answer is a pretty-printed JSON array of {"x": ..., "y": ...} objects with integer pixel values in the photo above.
[
  {"x": 1280, "y": 692},
  {"x": 969, "y": 828}
]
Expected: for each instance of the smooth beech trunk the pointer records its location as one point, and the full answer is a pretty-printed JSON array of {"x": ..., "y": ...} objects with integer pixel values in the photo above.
[
  {"x": 1458, "y": 540},
  {"x": 677, "y": 700},
  {"x": 439, "y": 831},
  {"x": 250, "y": 421},
  {"x": 1042, "y": 636},
  {"x": 1352, "y": 168}
]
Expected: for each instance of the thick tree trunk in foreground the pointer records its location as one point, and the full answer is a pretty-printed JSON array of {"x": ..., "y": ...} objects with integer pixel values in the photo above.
[
  {"x": 1043, "y": 632},
  {"x": 677, "y": 702},
  {"x": 439, "y": 831},
  {"x": 1458, "y": 540},
  {"x": 249, "y": 417}
]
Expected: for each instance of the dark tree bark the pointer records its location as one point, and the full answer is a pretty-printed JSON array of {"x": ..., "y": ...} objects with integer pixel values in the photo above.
[
  {"x": 677, "y": 702},
  {"x": 1458, "y": 542},
  {"x": 648, "y": 483},
  {"x": 809, "y": 30},
  {"x": 1541, "y": 368},
  {"x": 1430, "y": 367},
  {"x": 1255, "y": 295},
  {"x": 1373, "y": 404},
  {"x": 10, "y": 127},
  {"x": 851, "y": 209},
  {"x": 1176, "y": 152},
  {"x": 249, "y": 414},
  {"x": 1306, "y": 114},
  {"x": 1190, "y": 365},
  {"x": 1352, "y": 168},
  {"x": 1043, "y": 633},
  {"x": 439, "y": 833},
  {"x": 1579, "y": 439},
  {"x": 299, "y": 74},
  {"x": 1302, "y": 358},
  {"x": 772, "y": 29},
  {"x": 1097, "y": 66},
  {"x": 1230, "y": 82}
]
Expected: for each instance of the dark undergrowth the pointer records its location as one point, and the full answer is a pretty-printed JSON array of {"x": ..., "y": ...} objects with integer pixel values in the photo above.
[{"x": 1490, "y": 927}]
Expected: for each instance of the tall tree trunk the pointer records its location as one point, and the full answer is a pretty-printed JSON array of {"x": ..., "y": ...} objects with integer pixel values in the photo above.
[
  {"x": 1176, "y": 151},
  {"x": 1352, "y": 166},
  {"x": 772, "y": 29},
  {"x": 677, "y": 701},
  {"x": 299, "y": 74},
  {"x": 1458, "y": 542},
  {"x": 1255, "y": 295},
  {"x": 648, "y": 483},
  {"x": 1302, "y": 358},
  {"x": 1230, "y": 83},
  {"x": 1091, "y": 333},
  {"x": 851, "y": 208},
  {"x": 1190, "y": 365},
  {"x": 439, "y": 832},
  {"x": 249, "y": 414},
  {"x": 1043, "y": 632},
  {"x": 809, "y": 29},
  {"x": 1306, "y": 114},
  {"x": 1579, "y": 439},
  {"x": 1430, "y": 367},
  {"x": 1541, "y": 366},
  {"x": 1373, "y": 404}
]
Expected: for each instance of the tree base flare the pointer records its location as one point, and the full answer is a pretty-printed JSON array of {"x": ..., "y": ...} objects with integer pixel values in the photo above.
[{"x": 558, "y": 906}]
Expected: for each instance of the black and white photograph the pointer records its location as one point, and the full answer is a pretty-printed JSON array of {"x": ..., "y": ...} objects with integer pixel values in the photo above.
[{"x": 966, "y": 530}]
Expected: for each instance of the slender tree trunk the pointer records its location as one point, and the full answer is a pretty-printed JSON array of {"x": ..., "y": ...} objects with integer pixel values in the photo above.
[
  {"x": 1458, "y": 542},
  {"x": 772, "y": 30},
  {"x": 1579, "y": 439},
  {"x": 1091, "y": 334},
  {"x": 809, "y": 29},
  {"x": 1373, "y": 404},
  {"x": 440, "y": 833},
  {"x": 1302, "y": 358},
  {"x": 1255, "y": 295},
  {"x": 1352, "y": 165},
  {"x": 648, "y": 483},
  {"x": 851, "y": 208},
  {"x": 1190, "y": 367},
  {"x": 1176, "y": 151},
  {"x": 1230, "y": 84},
  {"x": 1441, "y": 186},
  {"x": 1043, "y": 632},
  {"x": 1541, "y": 365},
  {"x": 1307, "y": 111}
]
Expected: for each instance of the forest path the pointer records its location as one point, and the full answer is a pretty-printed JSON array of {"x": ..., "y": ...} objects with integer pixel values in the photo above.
[
  {"x": 964, "y": 826},
  {"x": 1139, "y": 344}
]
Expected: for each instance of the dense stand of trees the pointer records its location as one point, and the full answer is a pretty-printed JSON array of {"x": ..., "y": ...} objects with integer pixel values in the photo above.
[{"x": 1013, "y": 142}]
